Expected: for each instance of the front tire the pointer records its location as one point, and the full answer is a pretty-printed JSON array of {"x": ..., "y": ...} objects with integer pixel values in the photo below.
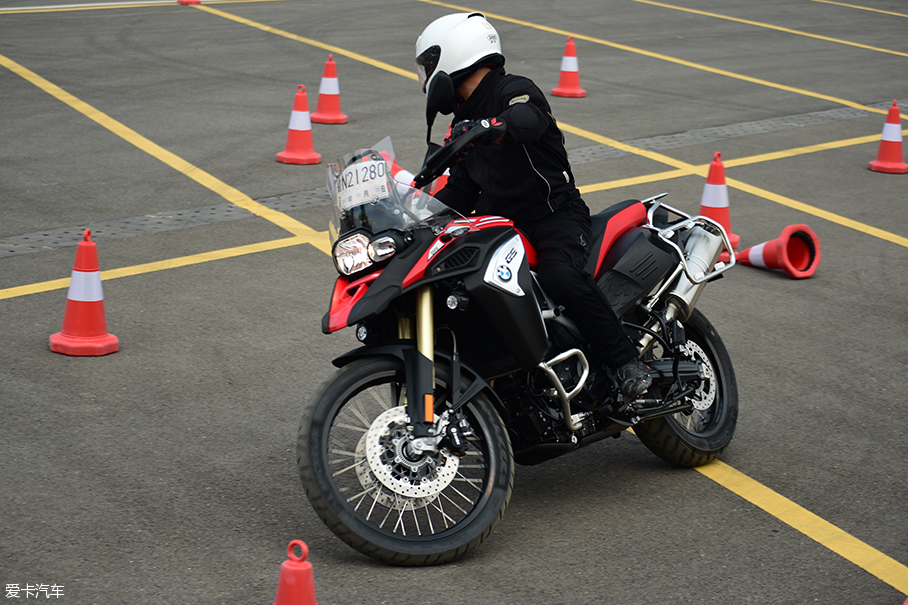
[
  {"x": 397, "y": 510},
  {"x": 697, "y": 438}
]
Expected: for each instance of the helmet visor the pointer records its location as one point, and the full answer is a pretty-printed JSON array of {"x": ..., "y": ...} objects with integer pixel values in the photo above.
[{"x": 426, "y": 63}]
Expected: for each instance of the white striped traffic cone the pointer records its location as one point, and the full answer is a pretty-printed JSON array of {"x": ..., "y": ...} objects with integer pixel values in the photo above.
[
  {"x": 714, "y": 202},
  {"x": 889, "y": 158},
  {"x": 299, "y": 149},
  {"x": 569, "y": 80},
  {"x": 84, "y": 330},
  {"x": 403, "y": 177},
  {"x": 328, "y": 110}
]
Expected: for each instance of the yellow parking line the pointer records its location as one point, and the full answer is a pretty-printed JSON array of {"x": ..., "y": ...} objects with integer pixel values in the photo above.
[
  {"x": 108, "y": 5},
  {"x": 329, "y": 47},
  {"x": 728, "y": 162},
  {"x": 661, "y": 57},
  {"x": 201, "y": 177},
  {"x": 835, "y": 539},
  {"x": 770, "y": 26},
  {"x": 863, "y": 8},
  {"x": 866, "y": 557},
  {"x": 173, "y": 263},
  {"x": 682, "y": 168}
]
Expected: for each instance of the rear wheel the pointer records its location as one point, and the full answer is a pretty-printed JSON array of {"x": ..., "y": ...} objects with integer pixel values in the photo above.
[
  {"x": 701, "y": 436},
  {"x": 383, "y": 502}
]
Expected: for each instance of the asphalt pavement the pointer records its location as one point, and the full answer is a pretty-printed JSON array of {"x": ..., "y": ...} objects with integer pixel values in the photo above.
[{"x": 165, "y": 473}]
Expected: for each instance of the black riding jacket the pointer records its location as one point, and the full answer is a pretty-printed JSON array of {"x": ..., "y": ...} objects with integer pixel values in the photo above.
[{"x": 527, "y": 175}]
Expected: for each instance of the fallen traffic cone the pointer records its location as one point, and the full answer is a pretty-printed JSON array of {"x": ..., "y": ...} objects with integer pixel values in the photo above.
[
  {"x": 295, "y": 586},
  {"x": 796, "y": 251},
  {"x": 569, "y": 81},
  {"x": 299, "y": 149},
  {"x": 889, "y": 158},
  {"x": 84, "y": 326},
  {"x": 328, "y": 110},
  {"x": 189, "y": 1},
  {"x": 714, "y": 202}
]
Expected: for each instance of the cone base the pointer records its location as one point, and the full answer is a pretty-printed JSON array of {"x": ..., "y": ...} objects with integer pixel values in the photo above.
[
  {"x": 574, "y": 93},
  {"x": 888, "y": 167},
  {"x": 330, "y": 118},
  {"x": 82, "y": 346},
  {"x": 289, "y": 157}
]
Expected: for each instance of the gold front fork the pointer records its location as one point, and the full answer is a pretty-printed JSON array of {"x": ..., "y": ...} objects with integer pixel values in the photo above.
[
  {"x": 425, "y": 323},
  {"x": 423, "y": 366}
]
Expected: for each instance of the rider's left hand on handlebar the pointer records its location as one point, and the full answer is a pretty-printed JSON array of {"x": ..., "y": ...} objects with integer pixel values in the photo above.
[{"x": 494, "y": 129}]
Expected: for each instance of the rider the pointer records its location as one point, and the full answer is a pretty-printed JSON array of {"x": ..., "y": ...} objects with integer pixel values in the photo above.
[{"x": 521, "y": 171}]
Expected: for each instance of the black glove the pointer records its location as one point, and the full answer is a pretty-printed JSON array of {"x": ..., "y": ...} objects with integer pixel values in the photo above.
[{"x": 495, "y": 130}]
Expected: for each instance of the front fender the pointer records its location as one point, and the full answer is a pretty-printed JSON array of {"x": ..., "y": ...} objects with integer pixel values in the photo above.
[{"x": 405, "y": 350}]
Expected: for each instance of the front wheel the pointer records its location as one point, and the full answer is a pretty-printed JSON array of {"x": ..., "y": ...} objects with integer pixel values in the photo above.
[
  {"x": 379, "y": 499},
  {"x": 698, "y": 437}
]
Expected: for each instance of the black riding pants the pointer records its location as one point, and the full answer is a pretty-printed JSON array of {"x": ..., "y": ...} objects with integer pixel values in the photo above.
[{"x": 562, "y": 241}]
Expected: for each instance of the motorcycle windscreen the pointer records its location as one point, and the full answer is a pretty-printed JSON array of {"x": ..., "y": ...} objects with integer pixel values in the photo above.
[{"x": 366, "y": 196}]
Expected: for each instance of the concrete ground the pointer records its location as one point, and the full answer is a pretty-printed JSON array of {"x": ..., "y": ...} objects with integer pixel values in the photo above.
[{"x": 165, "y": 472}]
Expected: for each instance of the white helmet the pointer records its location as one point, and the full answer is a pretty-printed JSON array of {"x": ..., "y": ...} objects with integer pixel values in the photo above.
[{"x": 454, "y": 45}]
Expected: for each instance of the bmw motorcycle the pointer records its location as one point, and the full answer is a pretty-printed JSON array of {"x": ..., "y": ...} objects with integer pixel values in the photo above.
[{"x": 408, "y": 451}]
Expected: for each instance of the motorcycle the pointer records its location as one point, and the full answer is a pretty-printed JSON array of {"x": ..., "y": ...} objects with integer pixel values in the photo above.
[{"x": 407, "y": 453}]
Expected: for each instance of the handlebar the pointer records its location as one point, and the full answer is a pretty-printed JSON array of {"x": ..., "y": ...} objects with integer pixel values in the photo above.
[{"x": 448, "y": 154}]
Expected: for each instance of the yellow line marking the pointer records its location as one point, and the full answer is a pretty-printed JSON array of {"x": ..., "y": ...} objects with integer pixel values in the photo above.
[
  {"x": 835, "y": 539},
  {"x": 173, "y": 263},
  {"x": 329, "y": 47},
  {"x": 873, "y": 561},
  {"x": 634, "y": 180},
  {"x": 863, "y": 8},
  {"x": 770, "y": 26},
  {"x": 731, "y": 163},
  {"x": 201, "y": 177},
  {"x": 661, "y": 57},
  {"x": 87, "y": 7},
  {"x": 683, "y": 168},
  {"x": 818, "y": 212}
]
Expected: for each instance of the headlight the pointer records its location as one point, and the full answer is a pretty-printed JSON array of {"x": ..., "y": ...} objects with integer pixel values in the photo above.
[
  {"x": 351, "y": 254},
  {"x": 382, "y": 248},
  {"x": 355, "y": 253}
]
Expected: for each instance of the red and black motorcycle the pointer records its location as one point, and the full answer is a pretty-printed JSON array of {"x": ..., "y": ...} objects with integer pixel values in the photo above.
[{"x": 407, "y": 453}]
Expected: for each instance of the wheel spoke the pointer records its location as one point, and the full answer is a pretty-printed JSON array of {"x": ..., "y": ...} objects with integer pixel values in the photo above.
[{"x": 410, "y": 498}]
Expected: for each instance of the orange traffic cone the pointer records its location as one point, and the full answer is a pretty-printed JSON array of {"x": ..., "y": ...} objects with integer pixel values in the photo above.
[
  {"x": 299, "y": 149},
  {"x": 295, "y": 586},
  {"x": 439, "y": 183},
  {"x": 189, "y": 1},
  {"x": 84, "y": 326},
  {"x": 569, "y": 81},
  {"x": 714, "y": 202},
  {"x": 796, "y": 251},
  {"x": 889, "y": 158},
  {"x": 403, "y": 177},
  {"x": 328, "y": 110}
]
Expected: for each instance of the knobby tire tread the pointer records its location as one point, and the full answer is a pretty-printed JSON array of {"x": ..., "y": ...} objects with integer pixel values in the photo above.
[{"x": 326, "y": 511}]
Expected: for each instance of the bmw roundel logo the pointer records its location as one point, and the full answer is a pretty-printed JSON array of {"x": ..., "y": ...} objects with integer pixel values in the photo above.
[{"x": 504, "y": 274}]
